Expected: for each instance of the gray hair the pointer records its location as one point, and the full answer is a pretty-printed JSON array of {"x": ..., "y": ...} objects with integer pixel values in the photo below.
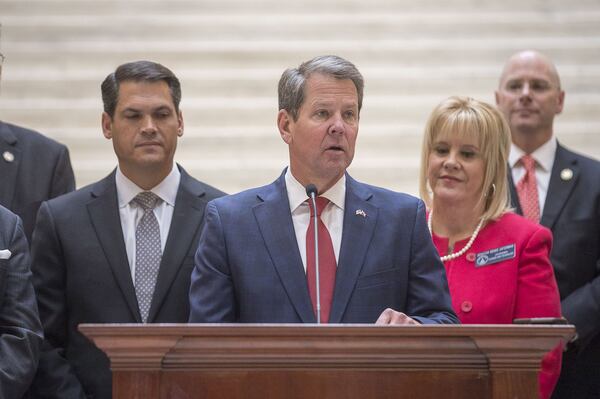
[
  {"x": 293, "y": 80},
  {"x": 138, "y": 71}
]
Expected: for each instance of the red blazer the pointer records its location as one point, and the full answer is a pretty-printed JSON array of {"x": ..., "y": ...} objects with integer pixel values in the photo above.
[{"x": 505, "y": 275}]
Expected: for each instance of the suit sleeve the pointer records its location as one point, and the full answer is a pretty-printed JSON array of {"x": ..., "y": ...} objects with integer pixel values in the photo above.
[
  {"x": 428, "y": 298},
  {"x": 20, "y": 329},
  {"x": 55, "y": 377},
  {"x": 537, "y": 296},
  {"x": 212, "y": 297},
  {"x": 582, "y": 306},
  {"x": 63, "y": 180}
]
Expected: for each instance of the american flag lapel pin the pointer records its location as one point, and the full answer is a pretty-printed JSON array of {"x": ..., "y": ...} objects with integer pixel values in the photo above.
[{"x": 360, "y": 212}]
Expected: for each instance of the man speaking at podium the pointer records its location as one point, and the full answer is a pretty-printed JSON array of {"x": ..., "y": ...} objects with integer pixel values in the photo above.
[{"x": 256, "y": 258}]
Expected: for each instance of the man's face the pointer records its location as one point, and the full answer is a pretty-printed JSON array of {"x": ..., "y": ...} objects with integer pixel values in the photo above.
[
  {"x": 321, "y": 141},
  {"x": 145, "y": 127},
  {"x": 529, "y": 94}
]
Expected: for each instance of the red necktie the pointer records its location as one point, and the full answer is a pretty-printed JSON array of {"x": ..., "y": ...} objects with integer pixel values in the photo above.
[
  {"x": 527, "y": 190},
  {"x": 327, "y": 265}
]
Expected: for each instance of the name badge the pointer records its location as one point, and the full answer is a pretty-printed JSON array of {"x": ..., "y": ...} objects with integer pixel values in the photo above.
[{"x": 495, "y": 255}]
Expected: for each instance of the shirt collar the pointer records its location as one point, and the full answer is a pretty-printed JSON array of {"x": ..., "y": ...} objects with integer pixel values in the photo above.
[
  {"x": 166, "y": 190},
  {"x": 544, "y": 155},
  {"x": 297, "y": 193}
]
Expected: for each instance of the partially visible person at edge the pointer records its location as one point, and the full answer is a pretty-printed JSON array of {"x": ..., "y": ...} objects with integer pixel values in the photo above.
[
  {"x": 559, "y": 189},
  {"x": 33, "y": 169},
  {"x": 20, "y": 328},
  {"x": 497, "y": 262}
]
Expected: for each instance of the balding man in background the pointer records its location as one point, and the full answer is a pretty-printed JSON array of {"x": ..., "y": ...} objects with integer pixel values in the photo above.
[{"x": 561, "y": 190}]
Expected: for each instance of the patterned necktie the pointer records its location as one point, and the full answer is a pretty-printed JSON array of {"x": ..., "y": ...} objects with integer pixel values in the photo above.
[
  {"x": 327, "y": 264},
  {"x": 527, "y": 190},
  {"x": 148, "y": 252}
]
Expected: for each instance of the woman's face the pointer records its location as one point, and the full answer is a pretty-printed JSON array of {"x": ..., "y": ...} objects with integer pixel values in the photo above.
[{"x": 456, "y": 170}]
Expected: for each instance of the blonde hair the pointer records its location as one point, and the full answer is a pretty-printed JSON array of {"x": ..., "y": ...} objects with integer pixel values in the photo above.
[{"x": 471, "y": 118}]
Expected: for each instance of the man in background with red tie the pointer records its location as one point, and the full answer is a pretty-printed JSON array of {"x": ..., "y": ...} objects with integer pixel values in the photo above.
[
  {"x": 256, "y": 259},
  {"x": 561, "y": 190}
]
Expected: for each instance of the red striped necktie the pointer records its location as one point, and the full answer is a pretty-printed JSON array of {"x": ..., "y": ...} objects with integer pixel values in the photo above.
[{"x": 327, "y": 264}]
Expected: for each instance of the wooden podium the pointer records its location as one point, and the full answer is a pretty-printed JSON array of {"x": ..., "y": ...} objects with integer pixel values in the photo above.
[{"x": 188, "y": 361}]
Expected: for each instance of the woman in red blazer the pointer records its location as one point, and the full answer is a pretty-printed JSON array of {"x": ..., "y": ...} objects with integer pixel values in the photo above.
[{"x": 497, "y": 262}]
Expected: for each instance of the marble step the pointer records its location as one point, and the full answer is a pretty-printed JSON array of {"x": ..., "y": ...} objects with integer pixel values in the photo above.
[
  {"x": 31, "y": 82},
  {"x": 278, "y": 56},
  {"x": 145, "y": 26},
  {"x": 95, "y": 7}
]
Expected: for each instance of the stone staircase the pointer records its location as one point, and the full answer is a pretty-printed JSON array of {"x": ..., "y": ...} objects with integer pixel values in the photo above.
[{"x": 229, "y": 55}]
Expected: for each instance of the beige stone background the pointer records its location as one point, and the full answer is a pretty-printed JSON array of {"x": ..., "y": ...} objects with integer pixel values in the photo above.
[{"x": 229, "y": 55}]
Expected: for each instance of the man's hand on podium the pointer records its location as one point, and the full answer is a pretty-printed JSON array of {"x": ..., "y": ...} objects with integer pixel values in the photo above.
[{"x": 390, "y": 316}]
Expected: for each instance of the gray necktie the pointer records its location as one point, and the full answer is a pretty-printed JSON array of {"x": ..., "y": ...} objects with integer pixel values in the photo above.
[{"x": 148, "y": 252}]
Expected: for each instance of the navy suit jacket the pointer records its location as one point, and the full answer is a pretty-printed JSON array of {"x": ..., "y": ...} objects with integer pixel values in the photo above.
[
  {"x": 572, "y": 212},
  {"x": 248, "y": 267},
  {"x": 82, "y": 275},
  {"x": 33, "y": 168},
  {"x": 20, "y": 329}
]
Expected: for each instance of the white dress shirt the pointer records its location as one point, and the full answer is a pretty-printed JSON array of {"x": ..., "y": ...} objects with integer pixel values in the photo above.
[
  {"x": 131, "y": 213},
  {"x": 544, "y": 158},
  {"x": 332, "y": 216}
]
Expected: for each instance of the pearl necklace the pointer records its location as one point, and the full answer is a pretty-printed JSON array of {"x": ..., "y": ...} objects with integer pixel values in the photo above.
[{"x": 466, "y": 247}]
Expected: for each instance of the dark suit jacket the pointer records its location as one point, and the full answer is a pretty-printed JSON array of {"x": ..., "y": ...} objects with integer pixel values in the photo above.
[
  {"x": 20, "y": 329},
  {"x": 82, "y": 275},
  {"x": 40, "y": 170},
  {"x": 572, "y": 212},
  {"x": 248, "y": 267}
]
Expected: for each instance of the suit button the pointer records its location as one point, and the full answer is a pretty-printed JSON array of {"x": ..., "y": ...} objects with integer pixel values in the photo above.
[
  {"x": 471, "y": 257},
  {"x": 466, "y": 306}
]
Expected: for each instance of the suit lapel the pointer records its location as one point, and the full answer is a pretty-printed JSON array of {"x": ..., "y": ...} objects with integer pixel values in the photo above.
[
  {"x": 104, "y": 214},
  {"x": 356, "y": 238},
  {"x": 559, "y": 190},
  {"x": 274, "y": 220},
  {"x": 8, "y": 169},
  {"x": 187, "y": 218},
  {"x": 514, "y": 197}
]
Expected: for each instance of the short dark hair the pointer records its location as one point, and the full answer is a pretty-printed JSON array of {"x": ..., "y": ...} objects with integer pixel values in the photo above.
[
  {"x": 293, "y": 80},
  {"x": 138, "y": 71}
]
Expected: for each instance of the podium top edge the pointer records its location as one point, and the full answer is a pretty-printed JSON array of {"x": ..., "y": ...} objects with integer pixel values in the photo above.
[{"x": 193, "y": 329}]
